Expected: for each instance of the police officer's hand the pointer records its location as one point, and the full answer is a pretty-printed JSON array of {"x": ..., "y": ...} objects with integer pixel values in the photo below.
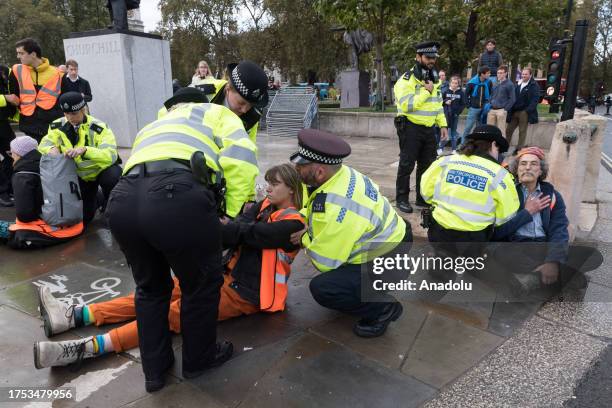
[
  {"x": 77, "y": 151},
  {"x": 429, "y": 86},
  {"x": 549, "y": 272},
  {"x": 224, "y": 220},
  {"x": 296, "y": 237},
  {"x": 54, "y": 151},
  {"x": 534, "y": 204},
  {"x": 12, "y": 99},
  {"x": 443, "y": 134}
]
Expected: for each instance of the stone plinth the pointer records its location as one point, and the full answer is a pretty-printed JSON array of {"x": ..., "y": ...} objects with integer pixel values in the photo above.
[
  {"x": 355, "y": 89},
  {"x": 567, "y": 163},
  {"x": 597, "y": 125},
  {"x": 130, "y": 77}
]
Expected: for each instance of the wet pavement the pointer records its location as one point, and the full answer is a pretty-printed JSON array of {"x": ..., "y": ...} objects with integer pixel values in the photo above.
[{"x": 439, "y": 354}]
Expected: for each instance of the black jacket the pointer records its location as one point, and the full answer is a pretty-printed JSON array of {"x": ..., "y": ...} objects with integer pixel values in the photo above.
[
  {"x": 457, "y": 99},
  {"x": 526, "y": 100},
  {"x": 27, "y": 187},
  {"x": 252, "y": 234},
  {"x": 81, "y": 85},
  {"x": 8, "y": 110}
]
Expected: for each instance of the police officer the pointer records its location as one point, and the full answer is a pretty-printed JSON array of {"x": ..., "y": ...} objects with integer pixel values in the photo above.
[
  {"x": 245, "y": 93},
  {"x": 91, "y": 143},
  {"x": 470, "y": 192},
  {"x": 349, "y": 223},
  {"x": 163, "y": 217},
  {"x": 419, "y": 109}
]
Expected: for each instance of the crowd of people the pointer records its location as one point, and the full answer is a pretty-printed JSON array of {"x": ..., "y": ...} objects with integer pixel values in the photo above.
[{"x": 201, "y": 249}]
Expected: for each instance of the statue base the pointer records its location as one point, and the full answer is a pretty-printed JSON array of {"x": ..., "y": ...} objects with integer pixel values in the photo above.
[
  {"x": 129, "y": 73},
  {"x": 355, "y": 89}
]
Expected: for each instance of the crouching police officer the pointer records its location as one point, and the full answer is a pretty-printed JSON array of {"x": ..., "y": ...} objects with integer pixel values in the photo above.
[
  {"x": 91, "y": 143},
  {"x": 349, "y": 223},
  {"x": 163, "y": 217},
  {"x": 470, "y": 192}
]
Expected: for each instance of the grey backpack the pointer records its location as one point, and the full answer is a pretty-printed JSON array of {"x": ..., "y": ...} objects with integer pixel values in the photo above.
[{"x": 63, "y": 204}]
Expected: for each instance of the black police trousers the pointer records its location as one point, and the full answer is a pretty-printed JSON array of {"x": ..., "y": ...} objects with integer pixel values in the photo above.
[
  {"x": 168, "y": 220},
  {"x": 107, "y": 179},
  {"x": 417, "y": 146}
]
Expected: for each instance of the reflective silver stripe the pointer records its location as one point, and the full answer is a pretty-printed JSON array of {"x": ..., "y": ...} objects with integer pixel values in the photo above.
[
  {"x": 83, "y": 173},
  {"x": 353, "y": 207},
  {"x": 425, "y": 113},
  {"x": 49, "y": 91},
  {"x": 378, "y": 240},
  {"x": 503, "y": 221},
  {"x": 284, "y": 257},
  {"x": 434, "y": 99},
  {"x": 86, "y": 163},
  {"x": 323, "y": 260},
  {"x": 218, "y": 141},
  {"x": 237, "y": 135},
  {"x": 288, "y": 211},
  {"x": 46, "y": 143},
  {"x": 240, "y": 153},
  {"x": 282, "y": 279},
  {"x": 113, "y": 157},
  {"x": 176, "y": 138},
  {"x": 468, "y": 216},
  {"x": 27, "y": 92},
  {"x": 468, "y": 205},
  {"x": 498, "y": 179},
  {"x": 194, "y": 121},
  {"x": 107, "y": 146},
  {"x": 28, "y": 103},
  {"x": 379, "y": 227}
]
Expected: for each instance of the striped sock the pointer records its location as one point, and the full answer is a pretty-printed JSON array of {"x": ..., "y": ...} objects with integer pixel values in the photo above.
[{"x": 88, "y": 317}]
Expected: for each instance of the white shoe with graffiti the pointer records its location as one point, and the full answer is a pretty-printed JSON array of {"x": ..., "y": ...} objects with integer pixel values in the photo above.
[
  {"x": 57, "y": 316},
  {"x": 61, "y": 353}
]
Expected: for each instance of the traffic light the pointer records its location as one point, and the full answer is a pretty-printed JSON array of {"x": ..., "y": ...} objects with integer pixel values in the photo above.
[{"x": 555, "y": 71}]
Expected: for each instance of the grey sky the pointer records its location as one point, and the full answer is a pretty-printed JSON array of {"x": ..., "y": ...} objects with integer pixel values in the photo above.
[{"x": 149, "y": 11}]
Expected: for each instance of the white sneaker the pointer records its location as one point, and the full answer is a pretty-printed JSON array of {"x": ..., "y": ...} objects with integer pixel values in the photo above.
[
  {"x": 440, "y": 151},
  {"x": 61, "y": 353},
  {"x": 57, "y": 316}
]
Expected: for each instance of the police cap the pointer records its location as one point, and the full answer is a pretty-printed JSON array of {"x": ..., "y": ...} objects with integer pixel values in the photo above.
[
  {"x": 428, "y": 48},
  {"x": 251, "y": 82},
  {"x": 316, "y": 146},
  {"x": 186, "y": 95},
  {"x": 490, "y": 133},
  {"x": 71, "y": 102}
]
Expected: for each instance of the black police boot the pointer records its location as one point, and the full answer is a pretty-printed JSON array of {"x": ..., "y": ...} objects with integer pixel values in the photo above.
[
  {"x": 378, "y": 326},
  {"x": 6, "y": 201},
  {"x": 156, "y": 384},
  {"x": 404, "y": 206},
  {"x": 421, "y": 203},
  {"x": 224, "y": 352}
]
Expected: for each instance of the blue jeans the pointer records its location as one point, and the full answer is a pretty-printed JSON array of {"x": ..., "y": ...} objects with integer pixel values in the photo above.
[
  {"x": 473, "y": 118},
  {"x": 451, "y": 120}
]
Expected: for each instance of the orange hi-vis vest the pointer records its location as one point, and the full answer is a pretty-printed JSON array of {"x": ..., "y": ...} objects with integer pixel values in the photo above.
[
  {"x": 275, "y": 264},
  {"x": 29, "y": 99},
  {"x": 43, "y": 228}
]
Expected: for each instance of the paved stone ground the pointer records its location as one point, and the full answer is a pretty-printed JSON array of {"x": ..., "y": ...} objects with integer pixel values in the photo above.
[{"x": 437, "y": 354}]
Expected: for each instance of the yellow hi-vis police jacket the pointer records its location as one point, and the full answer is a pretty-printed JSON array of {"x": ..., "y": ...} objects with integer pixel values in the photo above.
[
  {"x": 95, "y": 135},
  {"x": 469, "y": 193},
  {"x": 212, "y": 129},
  {"x": 349, "y": 221},
  {"x": 416, "y": 103}
]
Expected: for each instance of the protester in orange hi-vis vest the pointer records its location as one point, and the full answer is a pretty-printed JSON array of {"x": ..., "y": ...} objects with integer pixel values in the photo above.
[
  {"x": 255, "y": 278},
  {"x": 35, "y": 87},
  {"x": 29, "y": 230}
]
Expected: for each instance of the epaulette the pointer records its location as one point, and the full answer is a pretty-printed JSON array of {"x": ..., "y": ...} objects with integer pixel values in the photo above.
[
  {"x": 407, "y": 75},
  {"x": 96, "y": 128},
  {"x": 56, "y": 125}
]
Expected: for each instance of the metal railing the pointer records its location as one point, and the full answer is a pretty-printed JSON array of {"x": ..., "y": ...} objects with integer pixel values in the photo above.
[{"x": 292, "y": 109}]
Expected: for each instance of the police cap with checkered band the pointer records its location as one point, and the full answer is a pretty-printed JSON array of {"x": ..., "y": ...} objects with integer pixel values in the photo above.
[
  {"x": 428, "y": 48},
  {"x": 316, "y": 146},
  {"x": 71, "y": 102},
  {"x": 251, "y": 83}
]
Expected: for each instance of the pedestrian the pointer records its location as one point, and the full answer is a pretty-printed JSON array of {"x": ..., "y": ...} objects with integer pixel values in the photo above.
[
  {"x": 454, "y": 102},
  {"x": 502, "y": 99},
  {"x": 35, "y": 87},
  {"x": 419, "y": 105},
  {"x": 344, "y": 203},
  {"x": 444, "y": 83},
  {"x": 525, "y": 108},
  {"x": 92, "y": 145},
  {"x": 202, "y": 75},
  {"x": 7, "y": 112},
  {"x": 73, "y": 82},
  {"x": 165, "y": 219},
  {"x": 490, "y": 57},
  {"x": 478, "y": 94},
  {"x": 608, "y": 104}
]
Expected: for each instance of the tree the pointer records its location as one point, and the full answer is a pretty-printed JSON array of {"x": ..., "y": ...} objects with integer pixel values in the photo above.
[{"x": 603, "y": 42}]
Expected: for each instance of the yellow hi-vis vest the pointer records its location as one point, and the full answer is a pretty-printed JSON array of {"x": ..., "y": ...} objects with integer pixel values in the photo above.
[
  {"x": 349, "y": 221},
  {"x": 416, "y": 103},
  {"x": 469, "y": 192},
  {"x": 95, "y": 135},
  {"x": 212, "y": 129}
]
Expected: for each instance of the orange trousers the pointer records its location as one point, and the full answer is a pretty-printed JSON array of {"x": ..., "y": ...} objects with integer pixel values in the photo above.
[{"x": 122, "y": 309}]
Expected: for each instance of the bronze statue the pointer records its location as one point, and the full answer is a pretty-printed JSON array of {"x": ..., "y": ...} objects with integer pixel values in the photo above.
[
  {"x": 360, "y": 41},
  {"x": 118, "y": 12}
]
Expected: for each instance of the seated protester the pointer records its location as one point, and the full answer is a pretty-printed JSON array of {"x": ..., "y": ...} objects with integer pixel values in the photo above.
[
  {"x": 91, "y": 143},
  {"x": 255, "y": 279},
  {"x": 29, "y": 230},
  {"x": 541, "y": 218}
]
